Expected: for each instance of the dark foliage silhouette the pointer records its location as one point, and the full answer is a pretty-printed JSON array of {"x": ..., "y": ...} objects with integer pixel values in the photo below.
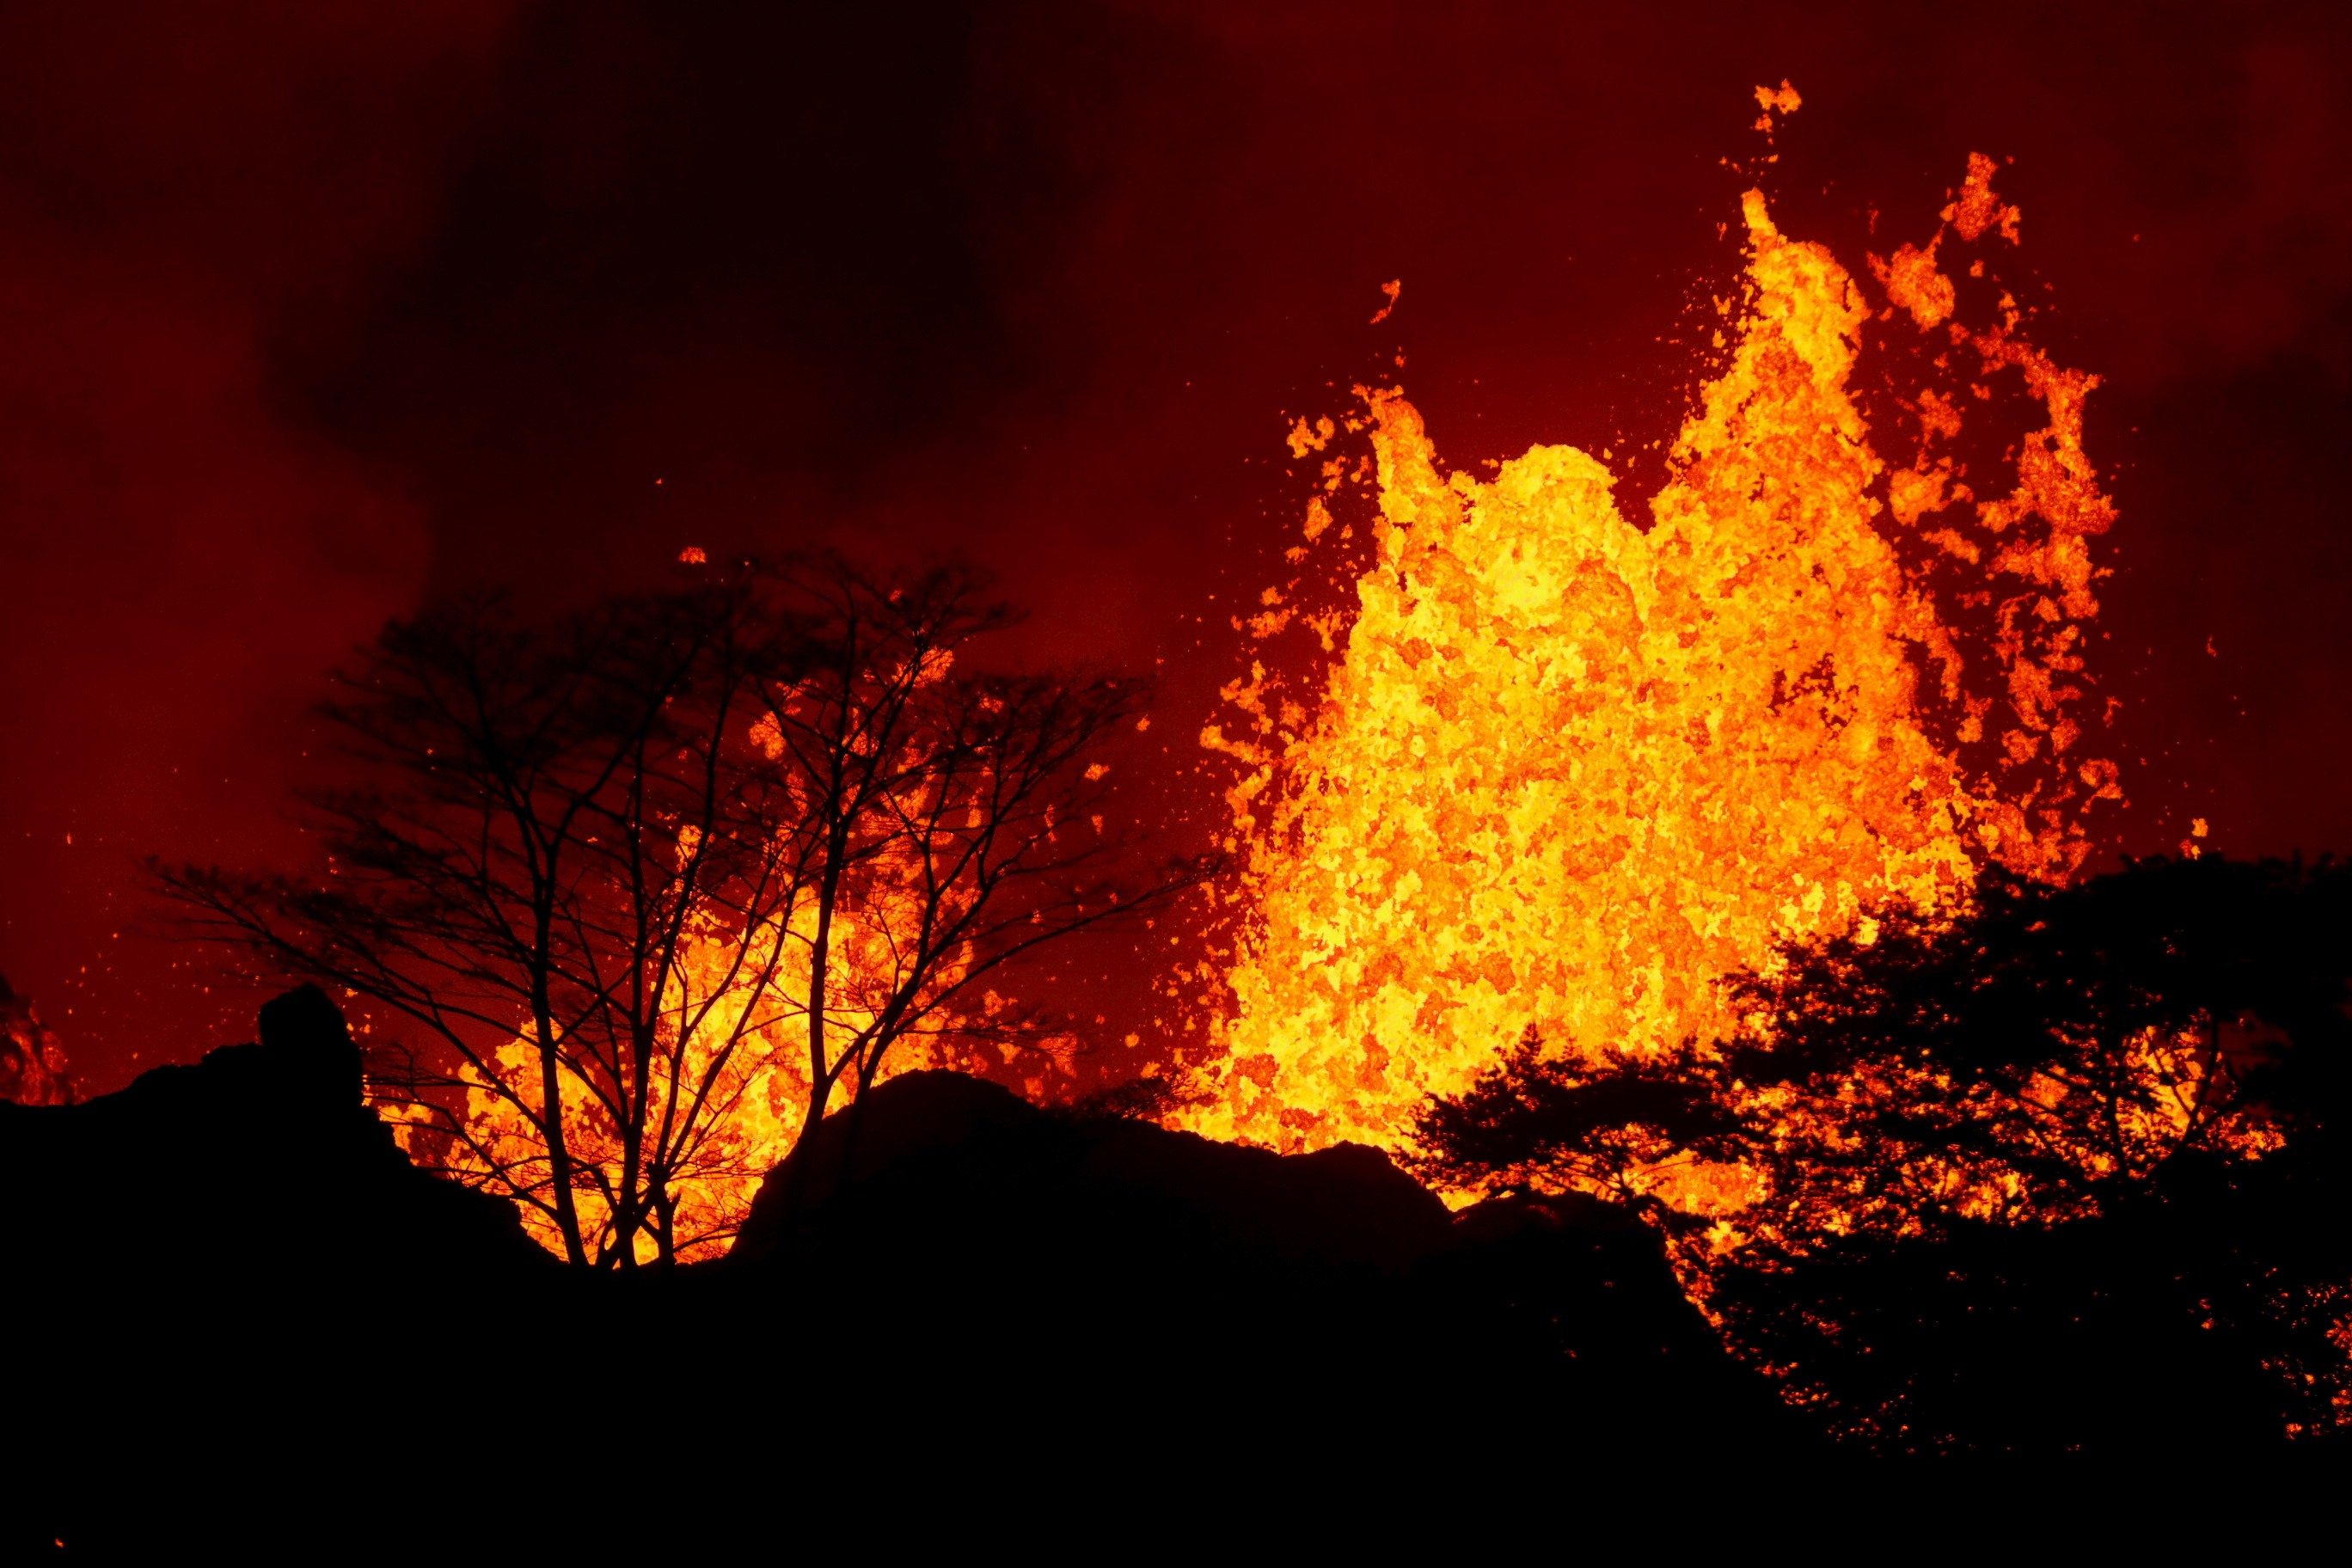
[
  {"x": 1533, "y": 1126},
  {"x": 2061, "y": 1175}
]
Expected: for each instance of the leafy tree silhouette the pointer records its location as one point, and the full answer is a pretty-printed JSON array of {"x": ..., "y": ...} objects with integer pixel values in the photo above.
[
  {"x": 661, "y": 879},
  {"x": 1536, "y": 1126},
  {"x": 2063, "y": 1174}
]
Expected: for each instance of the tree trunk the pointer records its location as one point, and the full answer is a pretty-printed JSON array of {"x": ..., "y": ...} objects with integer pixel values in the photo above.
[
  {"x": 559, "y": 1157},
  {"x": 551, "y": 1106}
]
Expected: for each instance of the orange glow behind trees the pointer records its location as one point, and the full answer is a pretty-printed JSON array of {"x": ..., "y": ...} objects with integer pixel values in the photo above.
[{"x": 661, "y": 884}]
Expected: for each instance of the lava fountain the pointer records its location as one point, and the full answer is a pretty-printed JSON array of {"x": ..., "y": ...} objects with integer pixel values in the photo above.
[{"x": 1567, "y": 772}]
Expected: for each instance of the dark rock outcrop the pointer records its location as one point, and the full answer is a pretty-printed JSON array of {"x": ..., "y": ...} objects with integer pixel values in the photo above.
[
  {"x": 1162, "y": 1291},
  {"x": 261, "y": 1161},
  {"x": 1344, "y": 1205},
  {"x": 225, "y": 1286}
]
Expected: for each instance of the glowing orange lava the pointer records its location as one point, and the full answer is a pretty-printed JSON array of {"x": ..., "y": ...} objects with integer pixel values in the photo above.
[
  {"x": 1569, "y": 772},
  {"x": 755, "y": 1067}
]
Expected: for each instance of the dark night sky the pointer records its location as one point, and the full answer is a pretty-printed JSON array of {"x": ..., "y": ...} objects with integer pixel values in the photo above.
[{"x": 308, "y": 309}]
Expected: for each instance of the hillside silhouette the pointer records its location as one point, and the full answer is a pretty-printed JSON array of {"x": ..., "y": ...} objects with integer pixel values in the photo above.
[
  {"x": 2052, "y": 1198},
  {"x": 241, "y": 1314}
]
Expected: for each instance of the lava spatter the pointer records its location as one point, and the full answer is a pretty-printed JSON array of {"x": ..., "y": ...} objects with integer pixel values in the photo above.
[{"x": 1569, "y": 773}]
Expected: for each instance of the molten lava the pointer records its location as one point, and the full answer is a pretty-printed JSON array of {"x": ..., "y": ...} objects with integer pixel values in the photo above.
[{"x": 1569, "y": 772}]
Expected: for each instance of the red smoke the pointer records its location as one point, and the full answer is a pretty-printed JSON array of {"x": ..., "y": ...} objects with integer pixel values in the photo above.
[
  {"x": 308, "y": 308},
  {"x": 178, "y": 186}
]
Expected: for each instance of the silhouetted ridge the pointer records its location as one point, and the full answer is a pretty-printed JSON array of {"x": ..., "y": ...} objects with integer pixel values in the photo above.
[
  {"x": 1014, "y": 1258},
  {"x": 1347, "y": 1203},
  {"x": 905, "y": 1116},
  {"x": 243, "y": 1293},
  {"x": 260, "y": 1157},
  {"x": 256, "y": 1320}
]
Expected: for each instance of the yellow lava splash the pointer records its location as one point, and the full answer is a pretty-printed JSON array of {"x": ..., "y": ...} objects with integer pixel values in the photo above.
[{"x": 1569, "y": 772}]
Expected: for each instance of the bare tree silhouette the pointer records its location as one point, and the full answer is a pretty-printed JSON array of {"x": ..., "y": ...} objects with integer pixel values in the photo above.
[{"x": 658, "y": 878}]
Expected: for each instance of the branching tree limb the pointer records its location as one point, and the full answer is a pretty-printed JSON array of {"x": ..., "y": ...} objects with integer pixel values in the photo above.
[{"x": 657, "y": 880}]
